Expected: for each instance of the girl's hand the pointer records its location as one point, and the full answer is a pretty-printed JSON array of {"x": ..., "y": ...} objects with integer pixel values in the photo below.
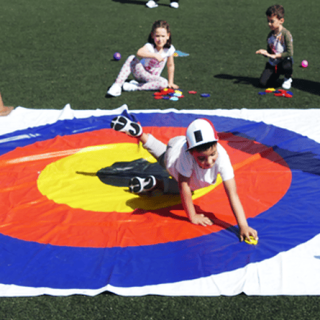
[
  {"x": 145, "y": 53},
  {"x": 158, "y": 57},
  {"x": 246, "y": 232},
  {"x": 263, "y": 52},
  {"x": 173, "y": 86},
  {"x": 201, "y": 219}
]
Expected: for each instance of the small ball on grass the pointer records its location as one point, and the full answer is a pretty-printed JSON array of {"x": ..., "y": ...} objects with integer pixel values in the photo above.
[{"x": 117, "y": 56}]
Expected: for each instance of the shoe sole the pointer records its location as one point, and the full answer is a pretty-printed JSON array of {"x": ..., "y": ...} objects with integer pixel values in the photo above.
[
  {"x": 120, "y": 122},
  {"x": 135, "y": 185}
]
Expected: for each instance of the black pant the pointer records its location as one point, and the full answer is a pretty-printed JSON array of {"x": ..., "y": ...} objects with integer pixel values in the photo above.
[{"x": 271, "y": 74}]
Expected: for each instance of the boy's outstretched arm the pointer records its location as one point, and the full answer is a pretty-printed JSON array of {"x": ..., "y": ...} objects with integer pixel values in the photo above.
[
  {"x": 236, "y": 206},
  {"x": 187, "y": 203}
]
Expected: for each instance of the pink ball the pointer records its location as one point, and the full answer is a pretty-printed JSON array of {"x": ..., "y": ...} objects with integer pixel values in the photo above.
[{"x": 304, "y": 63}]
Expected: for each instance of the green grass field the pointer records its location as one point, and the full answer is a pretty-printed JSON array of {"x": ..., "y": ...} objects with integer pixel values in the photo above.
[
  {"x": 56, "y": 52},
  {"x": 108, "y": 306}
]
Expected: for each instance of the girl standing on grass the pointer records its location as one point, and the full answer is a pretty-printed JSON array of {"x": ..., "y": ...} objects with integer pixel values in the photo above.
[{"x": 154, "y": 56}]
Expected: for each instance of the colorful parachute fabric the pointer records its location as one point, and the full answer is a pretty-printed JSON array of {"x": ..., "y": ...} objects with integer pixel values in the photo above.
[{"x": 68, "y": 224}]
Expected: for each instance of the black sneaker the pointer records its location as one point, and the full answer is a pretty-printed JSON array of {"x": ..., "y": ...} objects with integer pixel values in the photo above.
[
  {"x": 123, "y": 124},
  {"x": 139, "y": 185}
]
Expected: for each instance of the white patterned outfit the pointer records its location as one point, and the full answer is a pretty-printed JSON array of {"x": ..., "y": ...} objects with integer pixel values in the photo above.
[{"x": 146, "y": 71}]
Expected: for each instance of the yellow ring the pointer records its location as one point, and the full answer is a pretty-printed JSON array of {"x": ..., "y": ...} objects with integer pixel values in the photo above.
[{"x": 61, "y": 183}]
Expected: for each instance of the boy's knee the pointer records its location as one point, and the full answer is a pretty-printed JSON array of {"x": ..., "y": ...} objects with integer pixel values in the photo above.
[
  {"x": 266, "y": 76},
  {"x": 263, "y": 82}
]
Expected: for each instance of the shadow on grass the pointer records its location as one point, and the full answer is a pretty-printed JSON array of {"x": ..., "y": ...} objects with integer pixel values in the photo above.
[
  {"x": 307, "y": 86},
  {"x": 143, "y": 3},
  {"x": 300, "y": 84},
  {"x": 238, "y": 79}
]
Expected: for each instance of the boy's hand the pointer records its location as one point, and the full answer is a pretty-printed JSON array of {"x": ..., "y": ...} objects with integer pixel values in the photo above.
[
  {"x": 246, "y": 232},
  {"x": 263, "y": 52},
  {"x": 201, "y": 219}
]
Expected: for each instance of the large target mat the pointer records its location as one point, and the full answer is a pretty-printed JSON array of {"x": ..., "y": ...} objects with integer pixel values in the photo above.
[{"x": 69, "y": 225}]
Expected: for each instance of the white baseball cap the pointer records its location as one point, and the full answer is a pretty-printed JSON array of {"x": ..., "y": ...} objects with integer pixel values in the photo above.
[{"x": 200, "y": 131}]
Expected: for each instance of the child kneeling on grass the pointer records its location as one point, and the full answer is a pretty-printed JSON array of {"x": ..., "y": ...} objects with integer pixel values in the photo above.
[
  {"x": 280, "y": 50},
  {"x": 194, "y": 162}
]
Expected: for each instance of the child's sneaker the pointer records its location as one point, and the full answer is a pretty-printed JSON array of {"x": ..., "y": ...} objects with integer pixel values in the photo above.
[
  {"x": 129, "y": 86},
  {"x": 287, "y": 83},
  {"x": 123, "y": 124},
  {"x": 151, "y": 4},
  {"x": 114, "y": 90},
  {"x": 134, "y": 82},
  {"x": 139, "y": 185},
  {"x": 174, "y": 5}
]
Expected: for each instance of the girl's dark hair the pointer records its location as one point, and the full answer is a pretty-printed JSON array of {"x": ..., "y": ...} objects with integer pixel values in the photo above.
[
  {"x": 276, "y": 10},
  {"x": 160, "y": 24}
]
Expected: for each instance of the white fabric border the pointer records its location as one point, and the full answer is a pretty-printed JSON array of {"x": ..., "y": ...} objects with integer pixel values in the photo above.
[
  {"x": 303, "y": 121},
  {"x": 295, "y": 272}
]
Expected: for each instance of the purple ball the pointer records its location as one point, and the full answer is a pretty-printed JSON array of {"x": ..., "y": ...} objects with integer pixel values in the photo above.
[
  {"x": 117, "y": 56},
  {"x": 304, "y": 63}
]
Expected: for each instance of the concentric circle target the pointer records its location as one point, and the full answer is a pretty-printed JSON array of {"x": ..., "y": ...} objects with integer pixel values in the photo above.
[{"x": 75, "y": 219}]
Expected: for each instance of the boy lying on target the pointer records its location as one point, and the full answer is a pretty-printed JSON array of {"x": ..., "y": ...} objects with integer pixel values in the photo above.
[{"x": 194, "y": 161}]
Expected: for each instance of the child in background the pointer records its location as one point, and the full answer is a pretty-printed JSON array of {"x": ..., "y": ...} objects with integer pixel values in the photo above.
[
  {"x": 155, "y": 54},
  {"x": 194, "y": 162},
  {"x": 280, "y": 50},
  {"x": 153, "y": 4},
  {"x": 4, "y": 111}
]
